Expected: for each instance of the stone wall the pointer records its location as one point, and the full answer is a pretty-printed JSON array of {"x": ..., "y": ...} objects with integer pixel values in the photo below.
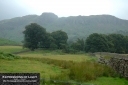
[
  {"x": 118, "y": 62},
  {"x": 120, "y": 65}
]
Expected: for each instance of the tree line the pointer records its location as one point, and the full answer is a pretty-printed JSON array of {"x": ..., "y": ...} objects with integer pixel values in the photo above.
[
  {"x": 114, "y": 43},
  {"x": 35, "y": 36}
]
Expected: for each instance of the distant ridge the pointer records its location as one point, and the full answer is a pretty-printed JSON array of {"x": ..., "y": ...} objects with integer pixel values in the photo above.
[{"x": 75, "y": 26}]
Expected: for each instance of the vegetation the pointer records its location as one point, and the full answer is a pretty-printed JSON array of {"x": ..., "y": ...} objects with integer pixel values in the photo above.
[
  {"x": 60, "y": 39},
  {"x": 36, "y": 37},
  {"x": 11, "y": 49},
  {"x": 8, "y": 42},
  {"x": 53, "y": 65},
  {"x": 85, "y": 71},
  {"x": 95, "y": 42},
  {"x": 115, "y": 43},
  {"x": 109, "y": 81},
  {"x": 28, "y": 66},
  {"x": 8, "y": 56}
]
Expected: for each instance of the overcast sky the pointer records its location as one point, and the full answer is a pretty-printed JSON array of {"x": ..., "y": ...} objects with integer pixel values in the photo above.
[{"x": 63, "y": 8}]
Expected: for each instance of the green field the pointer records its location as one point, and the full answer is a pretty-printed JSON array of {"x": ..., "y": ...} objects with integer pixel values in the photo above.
[
  {"x": 11, "y": 49},
  {"x": 28, "y": 66},
  {"x": 35, "y": 62}
]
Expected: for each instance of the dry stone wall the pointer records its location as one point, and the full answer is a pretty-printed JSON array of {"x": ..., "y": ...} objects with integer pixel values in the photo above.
[
  {"x": 120, "y": 65},
  {"x": 118, "y": 62}
]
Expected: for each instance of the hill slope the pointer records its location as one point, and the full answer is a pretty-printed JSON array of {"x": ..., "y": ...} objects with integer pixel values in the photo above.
[
  {"x": 75, "y": 26},
  {"x": 8, "y": 42}
]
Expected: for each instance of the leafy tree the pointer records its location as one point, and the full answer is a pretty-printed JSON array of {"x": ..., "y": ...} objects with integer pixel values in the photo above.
[
  {"x": 53, "y": 46},
  {"x": 34, "y": 34},
  {"x": 60, "y": 38},
  {"x": 117, "y": 43},
  {"x": 79, "y": 45},
  {"x": 96, "y": 43},
  {"x": 126, "y": 44},
  {"x": 48, "y": 41}
]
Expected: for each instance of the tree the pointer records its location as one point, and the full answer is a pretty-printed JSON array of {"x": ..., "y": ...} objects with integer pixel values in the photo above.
[
  {"x": 96, "y": 43},
  {"x": 53, "y": 46},
  {"x": 79, "y": 45},
  {"x": 60, "y": 38},
  {"x": 34, "y": 34},
  {"x": 48, "y": 41},
  {"x": 126, "y": 44},
  {"x": 118, "y": 43}
]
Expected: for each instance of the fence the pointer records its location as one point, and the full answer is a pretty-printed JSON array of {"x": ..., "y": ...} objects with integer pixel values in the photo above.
[{"x": 45, "y": 81}]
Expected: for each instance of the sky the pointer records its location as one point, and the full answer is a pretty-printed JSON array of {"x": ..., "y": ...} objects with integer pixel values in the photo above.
[{"x": 63, "y": 8}]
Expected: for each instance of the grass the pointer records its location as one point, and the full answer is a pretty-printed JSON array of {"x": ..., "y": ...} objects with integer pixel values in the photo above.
[
  {"x": 85, "y": 71},
  {"x": 57, "y": 55},
  {"x": 11, "y": 49},
  {"x": 109, "y": 81},
  {"x": 8, "y": 56},
  {"x": 28, "y": 66},
  {"x": 66, "y": 57},
  {"x": 8, "y": 42}
]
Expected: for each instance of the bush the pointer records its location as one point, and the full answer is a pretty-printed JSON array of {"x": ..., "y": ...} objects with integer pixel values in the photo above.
[{"x": 8, "y": 56}]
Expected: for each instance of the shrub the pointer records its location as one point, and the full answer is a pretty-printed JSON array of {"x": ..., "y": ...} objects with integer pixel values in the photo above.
[{"x": 8, "y": 56}]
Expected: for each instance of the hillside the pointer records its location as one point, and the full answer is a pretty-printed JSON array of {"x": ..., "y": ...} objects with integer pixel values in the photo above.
[
  {"x": 8, "y": 42},
  {"x": 75, "y": 26}
]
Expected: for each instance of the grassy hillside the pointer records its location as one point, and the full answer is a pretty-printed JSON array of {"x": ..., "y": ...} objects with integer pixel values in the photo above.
[
  {"x": 8, "y": 42},
  {"x": 75, "y": 26}
]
